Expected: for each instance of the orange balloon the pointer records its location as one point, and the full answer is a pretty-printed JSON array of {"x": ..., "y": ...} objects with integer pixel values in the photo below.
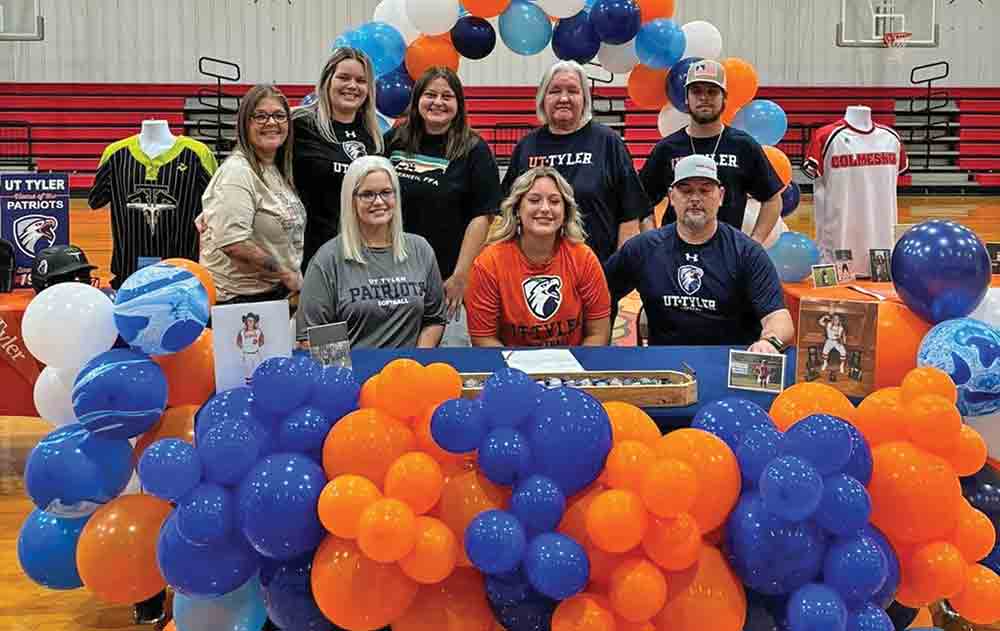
[
  {"x": 416, "y": 479},
  {"x": 343, "y": 500},
  {"x": 116, "y": 554},
  {"x": 621, "y": 624},
  {"x": 880, "y": 416},
  {"x": 604, "y": 563},
  {"x": 628, "y": 463},
  {"x": 646, "y": 86},
  {"x": 932, "y": 422},
  {"x": 900, "y": 332},
  {"x": 802, "y": 399},
  {"x": 200, "y": 272},
  {"x": 654, "y": 9},
  {"x": 673, "y": 544},
  {"x": 630, "y": 422},
  {"x": 428, "y": 51},
  {"x": 616, "y": 520},
  {"x": 387, "y": 530},
  {"x": 434, "y": 554},
  {"x": 365, "y": 442},
  {"x": 716, "y": 468},
  {"x": 574, "y": 520},
  {"x": 707, "y": 591},
  {"x": 457, "y": 604},
  {"x": 979, "y": 601},
  {"x": 401, "y": 387},
  {"x": 741, "y": 82},
  {"x": 780, "y": 162},
  {"x": 637, "y": 590},
  {"x": 441, "y": 383},
  {"x": 929, "y": 380},
  {"x": 669, "y": 488},
  {"x": 938, "y": 568},
  {"x": 486, "y": 8},
  {"x": 355, "y": 592},
  {"x": 170, "y": 626},
  {"x": 969, "y": 454},
  {"x": 175, "y": 423},
  {"x": 909, "y": 593},
  {"x": 190, "y": 373},
  {"x": 582, "y": 612},
  {"x": 974, "y": 535},
  {"x": 369, "y": 392}
]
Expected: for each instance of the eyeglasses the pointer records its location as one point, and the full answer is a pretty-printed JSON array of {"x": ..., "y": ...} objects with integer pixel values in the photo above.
[
  {"x": 368, "y": 197},
  {"x": 261, "y": 118}
]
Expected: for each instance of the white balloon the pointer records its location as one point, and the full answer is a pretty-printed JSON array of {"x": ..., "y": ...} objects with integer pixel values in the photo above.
[
  {"x": 561, "y": 8},
  {"x": 393, "y": 13},
  {"x": 750, "y": 220},
  {"x": 988, "y": 426},
  {"x": 69, "y": 324},
  {"x": 988, "y": 310},
  {"x": 703, "y": 40},
  {"x": 618, "y": 58},
  {"x": 432, "y": 17},
  {"x": 671, "y": 120},
  {"x": 54, "y": 396}
]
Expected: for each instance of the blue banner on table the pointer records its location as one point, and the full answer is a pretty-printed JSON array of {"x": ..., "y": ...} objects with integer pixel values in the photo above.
[{"x": 34, "y": 214}]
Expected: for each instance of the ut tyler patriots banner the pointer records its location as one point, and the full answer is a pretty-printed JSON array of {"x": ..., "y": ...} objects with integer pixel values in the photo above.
[{"x": 34, "y": 214}]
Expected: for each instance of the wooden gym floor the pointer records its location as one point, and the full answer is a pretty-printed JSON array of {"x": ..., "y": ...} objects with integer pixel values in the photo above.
[{"x": 25, "y": 606}]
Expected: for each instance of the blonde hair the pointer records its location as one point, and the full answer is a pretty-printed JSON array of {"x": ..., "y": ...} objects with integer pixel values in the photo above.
[
  {"x": 507, "y": 227},
  {"x": 543, "y": 88},
  {"x": 248, "y": 105},
  {"x": 350, "y": 232},
  {"x": 321, "y": 110}
]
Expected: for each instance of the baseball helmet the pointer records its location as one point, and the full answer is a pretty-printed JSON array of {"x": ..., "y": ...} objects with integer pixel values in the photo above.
[{"x": 60, "y": 264}]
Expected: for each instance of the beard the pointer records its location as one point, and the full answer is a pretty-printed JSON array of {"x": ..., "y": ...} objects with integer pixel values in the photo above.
[
  {"x": 706, "y": 119},
  {"x": 695, "y": 222}
]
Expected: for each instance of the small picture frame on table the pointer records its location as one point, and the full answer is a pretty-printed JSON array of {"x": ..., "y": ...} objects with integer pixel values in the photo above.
[
  {"x": 994, "y": 250},
  {"x": 844, "y": 259},
  {"x": 330, "y": 345},
  {"x": 880, "y": 264},
  {"x": 759, "y": 372},
  {"x": 824, "y": 275}
]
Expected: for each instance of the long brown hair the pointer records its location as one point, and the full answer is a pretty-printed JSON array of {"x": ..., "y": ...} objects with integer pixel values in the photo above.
[
  {"x": 283, "y": 158},
  {"x": 460, "y": 137}
]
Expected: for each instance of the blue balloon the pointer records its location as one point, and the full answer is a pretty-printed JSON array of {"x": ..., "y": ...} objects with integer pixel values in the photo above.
[
  {"x": 207, "y": 514},
  {"x": 793, "y": 255},
  {"x": 393, "y": 91},
  {"x": 676, "y": 90},
  {"x": 538, "y": 503},
  {"x": 336, "y": 392},
  {"x": 304, "y": 430},
  {"x": 473, "y": 37},
  {"x": 791, "y": 488},
  {"x": 759, "y": 618},
  {"x": 616, "y": 21},
  {"x": 458, "y": 425},
  {"x": 161, "y": 309},
  {"x": 887, "y": 593},
  {"x": 660, "y": 43},
  {"x": 232, "y": 405},
  {"x": 982, "y": 489},
  {"x": 240, "y": 610},
  {"x": 575, "y": 38},
  {"x": 509, "y": 397},
  {"x": 169, "y": 469},
  {"x": 845, "y": 507},
  {"x": 119, "y": 394},
  {"x": 204, "y": 571},
  {"x": 856, "y": 567},
  {"x": 941, "y": 270},
  {"x": 288, "y": 595},
  {"x": 731, "y": 418},
  {"x": 969, "y": 351},
  {"x": 71, "y": 465},
  {"x": 383, "y": 44},
  {"x": 46, "y": 549},
  {"x": 278, "y": 386},
  {"x": 757, "y": 448},
  {"x": 764, "y": 120},
  {"x": 869, "y": 617},
  {"x": 790, "y": 198},
  {"x": 570, "y": 437},
  {"x": 822, "y": 440},
  {"x": 228, "y": 451},
  {"x": 516, "y": 604},
  {"x": 556, "y": 565},
  {"x": 495, "y": 542},
  {"x": 525, "y": 28},
  {"x": 277, "y": 506},
  {"x": 504, "y": 455},
  {"x": 815, "y": 607}
]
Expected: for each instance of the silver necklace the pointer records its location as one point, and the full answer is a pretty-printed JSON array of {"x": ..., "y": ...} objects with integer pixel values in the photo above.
[{"x": 715, "y": 150}]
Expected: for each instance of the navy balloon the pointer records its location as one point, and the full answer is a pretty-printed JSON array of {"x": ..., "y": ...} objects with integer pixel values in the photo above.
[
  {"x": 790, "y": 198},
  {"x": 757, "y": 448},
  {"x": 846, "y": 505},
  {"x": 228, "y": 451},
  {"x": 516, "y": 604},
  {"x": 616, "y": 21},
  {"x": 504, "y": 455},
  {"x": 207, "y": 514},
  {"x": 495, "y": 542},
  {"x": 279, "y": 387},
  {"x": 576, "y": 39},
  {"x": 538, "y": 503},
  {"x": 509, "y": 397},
  {"x": 393, "y": 92},
  {"x": 660, "y": 43},
  {"x": 731, "y": 418},
  {"x": 203, "y": 571},
  {"x": 676, "y": 90},
  {"x": 982, "y": 489},
  {"x": 820, "y": 439},
  {"x": 941, "y": 270},
  {"x": 791, "y": 488},
  {"x": 120, "y": 393},
  {"x": 815, "y": 607},
  {"x": 556, "y": 565},
  {"x": 46, "y": 549},
  {"x": 288, "y": 595},
  {"x": 793, "y": 255},
  {"x": 992, "y": 559},
  {"x": 473, "y": 37},
  {"x": 856, "y": 567},
  {"x": 169, "y": 469}
]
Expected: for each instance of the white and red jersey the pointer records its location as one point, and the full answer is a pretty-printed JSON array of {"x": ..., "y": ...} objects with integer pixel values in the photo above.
[{"x": 855, "y": 175}]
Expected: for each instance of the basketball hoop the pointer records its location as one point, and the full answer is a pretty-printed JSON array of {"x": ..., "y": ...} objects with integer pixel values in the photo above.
[{"x": 895, "y": 42}]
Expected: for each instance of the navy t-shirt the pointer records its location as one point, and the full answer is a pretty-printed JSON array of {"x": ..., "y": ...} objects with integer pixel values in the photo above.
[
  {"x": 743, "y": 170},
  {"x": 598, "y": 166},
  {"x": 713, "y": 293}
]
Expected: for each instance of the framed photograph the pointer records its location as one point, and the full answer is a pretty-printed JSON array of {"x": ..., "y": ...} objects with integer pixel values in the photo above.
[
  {"x": 330, "y": 345},
  {"x": 244, "y": 335},
  {"x": 844, "y": 259},
  {"x": 824, "y": 275},
  {"x": 994, "y": 250},
  {"x": 760, "y": 372},
  {"x": 879, "y": 262},
  {"x": 836, "y": 344}
]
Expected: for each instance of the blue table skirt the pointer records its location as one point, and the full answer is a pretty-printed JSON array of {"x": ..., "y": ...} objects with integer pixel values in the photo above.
[{"x": 710, "y": 363}]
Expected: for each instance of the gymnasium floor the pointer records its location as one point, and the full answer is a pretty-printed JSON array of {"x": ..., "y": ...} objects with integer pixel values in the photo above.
[{"x": 26, "y": 607}]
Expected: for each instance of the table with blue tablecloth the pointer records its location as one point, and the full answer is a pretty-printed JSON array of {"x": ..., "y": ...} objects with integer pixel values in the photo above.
[{"x": 710, "y": 364}]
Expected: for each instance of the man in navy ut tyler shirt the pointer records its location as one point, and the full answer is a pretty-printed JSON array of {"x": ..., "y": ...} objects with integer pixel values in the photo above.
[{"x": 702, "y": 282}]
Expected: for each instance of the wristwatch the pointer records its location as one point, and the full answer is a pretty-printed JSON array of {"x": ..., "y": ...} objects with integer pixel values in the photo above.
[{"x": 776, "y": 342}]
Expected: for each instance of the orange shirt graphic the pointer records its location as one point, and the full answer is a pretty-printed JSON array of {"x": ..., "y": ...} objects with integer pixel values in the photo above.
[{"x": 528, "y": 304}]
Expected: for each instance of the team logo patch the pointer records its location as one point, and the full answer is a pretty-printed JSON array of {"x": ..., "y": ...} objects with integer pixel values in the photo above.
[
  {"x": 151, "y": 200},
  {"x": 689, "y": 278},
  {"x": 354, "y": 149},
  {"x": 543, "y": 295},
  {"x": 34, "y": 232}
]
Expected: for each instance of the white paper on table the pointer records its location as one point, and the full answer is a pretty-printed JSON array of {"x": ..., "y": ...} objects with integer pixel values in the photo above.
[{"x": 559, "y": 360}]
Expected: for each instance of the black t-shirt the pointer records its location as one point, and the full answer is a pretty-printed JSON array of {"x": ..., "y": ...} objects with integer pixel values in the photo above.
[
  {"x": 319, "y": 168},
  {"x": 713, "y": 293},
  {"x": 598, "y": 166},
  {"x": 743, "y": 170},
  {"x": 441, "y": 196}
]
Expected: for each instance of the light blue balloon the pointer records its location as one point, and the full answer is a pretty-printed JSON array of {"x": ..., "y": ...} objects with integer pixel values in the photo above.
[
  {"x": 239, "y": 610},
  {"x": 383, "y": 44},
  {"x": 46, "y": 549},
  {"x": 764, "y": 120},
  {"x": 525, "y": 28},
  {"x": 660, "y": 43},
  {"x": 969, "y": 351},
  {"x": 161, "y": 309},
  {"x": 793, "y": 255}
]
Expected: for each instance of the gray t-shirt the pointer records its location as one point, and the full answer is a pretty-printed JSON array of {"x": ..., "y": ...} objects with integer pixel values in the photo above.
[{"x": 385, "y": 304}]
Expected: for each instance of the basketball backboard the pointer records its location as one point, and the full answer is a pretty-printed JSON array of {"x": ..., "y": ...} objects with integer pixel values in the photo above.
[
  {"x": 865, "y": 23},
  {"x": 21, "y": 21}
]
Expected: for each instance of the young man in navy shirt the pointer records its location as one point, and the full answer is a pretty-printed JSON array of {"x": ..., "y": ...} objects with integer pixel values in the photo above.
[{"x": 702, "y": 282}]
